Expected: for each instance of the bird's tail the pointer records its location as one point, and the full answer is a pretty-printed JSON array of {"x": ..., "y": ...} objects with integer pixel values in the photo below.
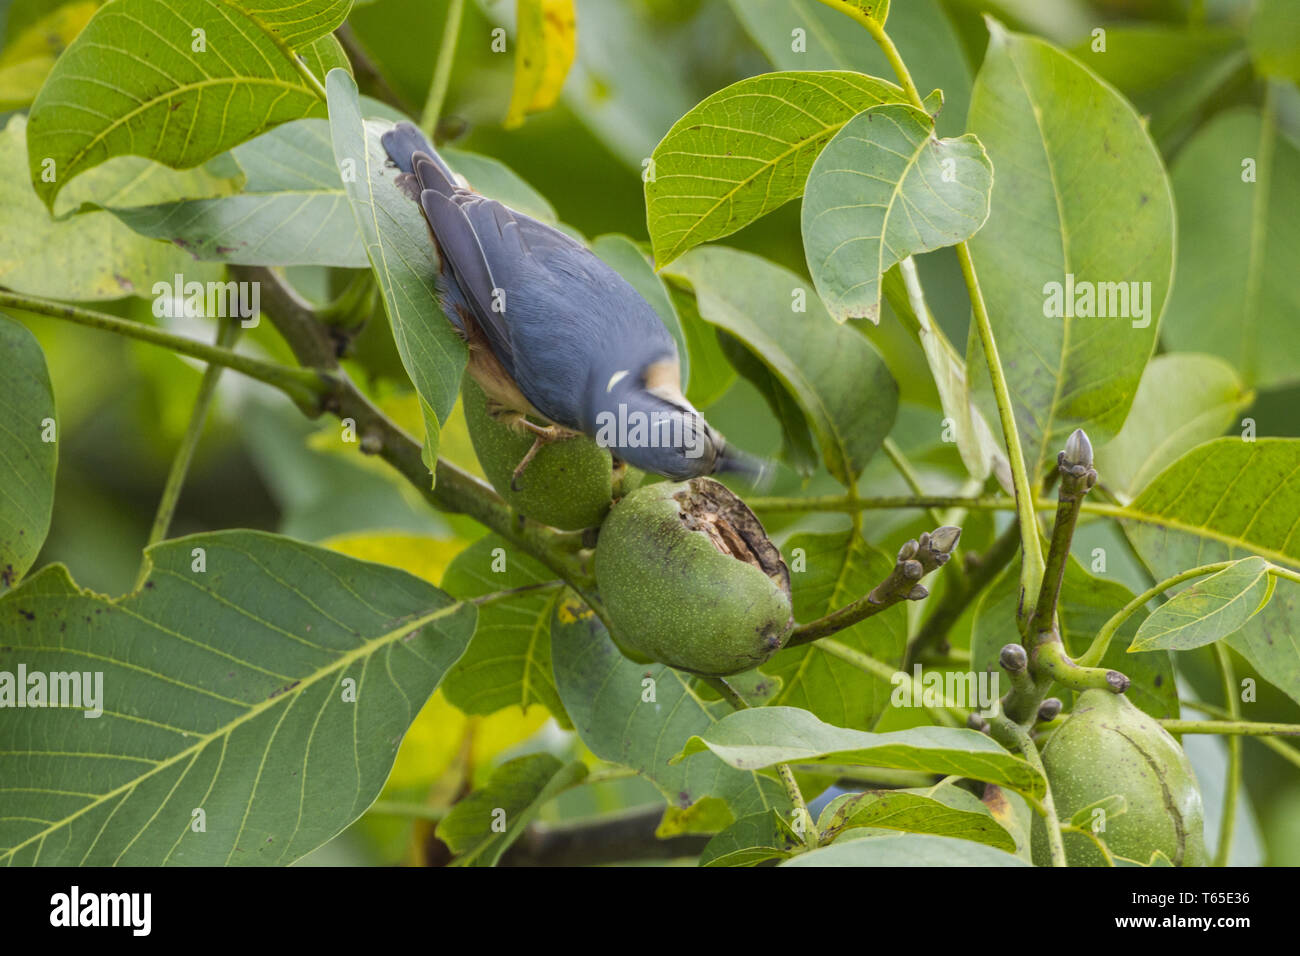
[
  {"x": 757, "y": 472},
  {"x": 403, "y": 141}
]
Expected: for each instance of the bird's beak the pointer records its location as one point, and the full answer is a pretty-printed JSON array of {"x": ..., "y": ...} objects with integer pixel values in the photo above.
[{"x": 757, "y": 472}]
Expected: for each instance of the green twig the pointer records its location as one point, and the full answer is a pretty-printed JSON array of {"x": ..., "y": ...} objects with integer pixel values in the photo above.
[
  {"x": 1031, "y": 573},
  {"x": 1229, "y": 728},
  {"x": 1032, "y": 565},
  {"x": 955, "y": 601},
  {"x": 1232, "y": 784},
  {"x": 1077, "y": 478},
  {"x": 809, "y": 826},
  {"x": 227, "y": 332},
  {"x": 315, "y": 391},
  {"x": 442, "y": 69},
  {"x": 1052, "y": 663},
  {"x": 1099, "y": 843},
  {"x": 916, "y": 559},
  {"x": 877, "y": 31},
  {"x": 1047, "y": 807},
  {"x": 1255, "y": 731},
  {"x": 1101, "y": 643},
  {"x": 905, "y": 469},
  {"x": 305, "y": 387}
]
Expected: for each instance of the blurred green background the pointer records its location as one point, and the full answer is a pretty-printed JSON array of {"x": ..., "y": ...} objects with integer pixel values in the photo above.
[{"x": 641, "y": 64}]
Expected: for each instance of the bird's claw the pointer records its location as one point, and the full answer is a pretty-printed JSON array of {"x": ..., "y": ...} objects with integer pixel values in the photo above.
[{"x": 545, "y": 435}]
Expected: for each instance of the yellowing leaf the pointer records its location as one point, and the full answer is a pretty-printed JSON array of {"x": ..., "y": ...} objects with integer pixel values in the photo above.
[
  {"x": 422, "y": 556},
  {"x": 546, "y": 42},
  {"x": 27, "y": 60},
  {"x": 876, "y": 10},
  {"x": 430, "y": 745},
  {"x": 437, "y": 737}
]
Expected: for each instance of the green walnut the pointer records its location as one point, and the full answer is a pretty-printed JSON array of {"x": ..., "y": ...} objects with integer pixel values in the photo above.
[
  {"x": 1107, "y": 746},
  {"x": 690, "y": 579},
  {"x": 568, "y": 484}
]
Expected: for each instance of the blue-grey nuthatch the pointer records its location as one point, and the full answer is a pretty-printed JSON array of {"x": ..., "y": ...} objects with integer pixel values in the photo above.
[{"x": 554, "y": 332}]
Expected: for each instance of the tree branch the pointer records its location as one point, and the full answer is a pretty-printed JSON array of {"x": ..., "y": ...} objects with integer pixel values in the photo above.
[
  {"x": 305, "y": 387},
  {"x": 293, "y": 317},
  {"x": 1077, "y": 478},
  {"x": 916, "y": 559},
  {"x": 227, "y": 332},
  {"x": 983, "y": 570}
]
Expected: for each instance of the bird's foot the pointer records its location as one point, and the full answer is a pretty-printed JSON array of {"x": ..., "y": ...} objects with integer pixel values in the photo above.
[{"x": 545, "y": 434}]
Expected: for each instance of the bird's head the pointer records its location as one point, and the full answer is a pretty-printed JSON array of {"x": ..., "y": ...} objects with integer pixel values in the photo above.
[{"x": 644, "y": 419}]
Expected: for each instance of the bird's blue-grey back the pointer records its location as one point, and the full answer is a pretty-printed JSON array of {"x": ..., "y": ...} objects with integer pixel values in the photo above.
[{"x": 558, "y": 318}]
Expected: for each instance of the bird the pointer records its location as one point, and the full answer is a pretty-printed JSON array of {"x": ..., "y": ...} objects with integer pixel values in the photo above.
[{"x": 554, "y": 333}]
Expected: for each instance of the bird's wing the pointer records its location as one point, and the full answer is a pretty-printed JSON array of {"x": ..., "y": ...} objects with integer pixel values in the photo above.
[{"x": 493, "y": 250}]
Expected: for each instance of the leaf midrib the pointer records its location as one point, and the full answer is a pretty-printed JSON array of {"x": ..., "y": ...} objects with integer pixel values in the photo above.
[
  {"x": 683, "y": 242},
  {"x": 363, "y": 650}
]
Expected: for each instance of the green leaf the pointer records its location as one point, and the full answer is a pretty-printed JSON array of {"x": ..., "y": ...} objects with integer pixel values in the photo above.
[
  {"x": 483, "y": 825},
  {"x": 1275, "y": 38},
  {"x": 980, "y": 449},
  {"x": 1209, "y": 609},
  {"x": 1183, "y": 400},
  {"x": 909, "y": 849},
  {"x": 30, "y": 53},
  {"x": 85, "y": 258},
  {"x": 292, "y": 210},
  {"x": 746, "y": 150},
  {"x": 1014, "y": 815},
  {"x": 798, "y": 447},
  {"x": 1223, "y": 500},
  {"x": 828, "y": 40},
  {"x": 28, "y": 462},
  {"x": 840, "y": 568},
  {"x": 509, "y": 661},
  {"x": 943, "y": 810},
  {"x": 708, "y": 815},
  {"x": 1167, "y": 71},
  {"x": 833, "y": 373},
  {"x": 324, "y": 54},
  {"x": 639, "y": 715},
  {"x": 269, "y": 690},
  {"x": 402, "y": 255},
  {"x": 128, "y": 181},
  {"x": 883, "y": 189},
  {"x": 1047, "y": 225},
  {"x": 877, "y": 10},
  {"x": 763, "y": 737},
  {"x": 179, "y": 105},
  {"x": 1111, "y": 807},
  {"x": 1060, "y": 21},
  {"x": 495, "y": 179},
  {"x": 711, "y": 372},
  {"x": 1086, "y": 603},
  {"x": 1236, "y": 295},
  {"x": 751, "y": 840}
]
